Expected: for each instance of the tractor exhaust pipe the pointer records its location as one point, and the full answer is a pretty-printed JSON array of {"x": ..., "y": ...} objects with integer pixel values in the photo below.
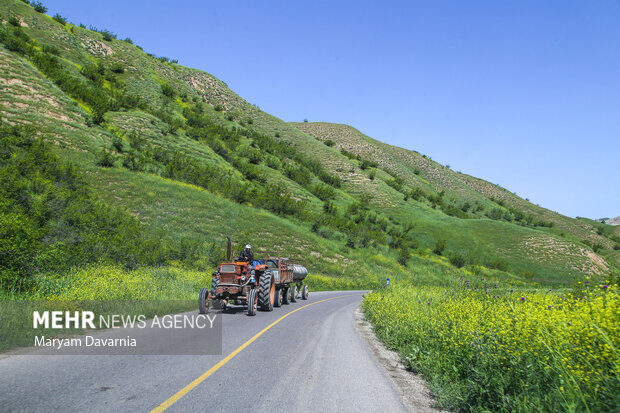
[{"x": 228, "y": 249}]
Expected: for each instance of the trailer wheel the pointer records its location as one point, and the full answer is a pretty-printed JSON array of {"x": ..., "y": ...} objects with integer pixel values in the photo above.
[
  {"x": 203, "y": 301},
  {"x": 277, "y": 299},
  {"x": 266, "y": 291},
  {"x": 293, "y": 293},
  {"x": 304, "y": 292},
  {"x": 252, "y": 304},
  {"x": 285, "y": 296}
]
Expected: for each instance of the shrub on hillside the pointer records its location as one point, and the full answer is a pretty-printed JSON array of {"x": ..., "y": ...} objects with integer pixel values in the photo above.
[
  {"x": 497, "y": 264},
  {"x": 457, "y": 259},
  {"x": 315, "y": 227},
  {"x": 253, "y": 155},
  {"x": 403, "y": 256},
  {"x": 39, "y": 7},
  {"x": 350, "y": 155},
  {"x": 298, "y": 174},
  {"x": 117, "y": 67},
  {"x": 279, "y": 200},
  {"x": 168, "y": 90},
  {"x": 134, "y": 161},
  {"x": 329, "y": 208},
  {"x": 396, "y": 183},
  {"x": 416, "y": 194},
  {"x": 117, "y": 143},
  {"x": 93, "y": 72},
  {"x": 350, "y": 242},
  {"x": 105, "y": 159},
  {"x": 499, "y": 214},
  {"x": 323, "y": 192},
  {"x": 107, "y": 35},
  {"x": 46, "y": 48},
  {"x": 14, "y": 21},
  {"x": 60, "y": 19},
  {"x": 368, "y": 164},
  {"x": 329, "y": 179},
  {"x": 273, "y": 162},
  {"x": 329, "y": 143},
  {"x": 440, "y": 245}
]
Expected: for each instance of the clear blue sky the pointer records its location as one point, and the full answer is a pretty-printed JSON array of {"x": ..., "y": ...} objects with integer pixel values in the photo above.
[{"x": 525, "y": 94}]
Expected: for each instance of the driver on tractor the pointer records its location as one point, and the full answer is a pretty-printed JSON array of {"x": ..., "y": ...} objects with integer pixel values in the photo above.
[{"x": 247, "y": 255}]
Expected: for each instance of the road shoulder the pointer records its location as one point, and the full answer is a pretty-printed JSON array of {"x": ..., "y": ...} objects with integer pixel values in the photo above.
[{"x": 411, "y": 387}]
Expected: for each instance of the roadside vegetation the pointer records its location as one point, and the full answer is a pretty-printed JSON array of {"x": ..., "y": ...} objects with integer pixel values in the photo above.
[{"x": 487, "y": 345}]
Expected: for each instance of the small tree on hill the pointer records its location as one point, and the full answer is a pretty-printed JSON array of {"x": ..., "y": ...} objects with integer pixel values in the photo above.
[
  {"x": 39, "y": 7},
  {"x": 60, "y": 19}
]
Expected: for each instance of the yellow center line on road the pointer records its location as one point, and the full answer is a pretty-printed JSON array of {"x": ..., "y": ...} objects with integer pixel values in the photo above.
[{"x": 229, "y": 357}]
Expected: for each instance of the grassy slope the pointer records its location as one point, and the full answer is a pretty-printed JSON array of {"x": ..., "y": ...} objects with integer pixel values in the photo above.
[{"x": 182, "y": 211}]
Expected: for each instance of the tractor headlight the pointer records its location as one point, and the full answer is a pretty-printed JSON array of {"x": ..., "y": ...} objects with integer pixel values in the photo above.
[{"x": 243, "y": 278}]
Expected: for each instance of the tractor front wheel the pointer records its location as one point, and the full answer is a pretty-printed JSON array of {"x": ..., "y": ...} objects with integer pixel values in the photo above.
[
  {"x": 203, "y": 301},
  {"x": 252, "y": 302}
]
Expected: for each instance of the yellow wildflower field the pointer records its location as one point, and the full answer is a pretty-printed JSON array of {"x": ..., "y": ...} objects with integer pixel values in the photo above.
[{"x": 486, "y": 347}]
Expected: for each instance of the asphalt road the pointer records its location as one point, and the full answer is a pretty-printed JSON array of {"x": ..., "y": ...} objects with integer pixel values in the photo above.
[{"x": 313, "y": 360}]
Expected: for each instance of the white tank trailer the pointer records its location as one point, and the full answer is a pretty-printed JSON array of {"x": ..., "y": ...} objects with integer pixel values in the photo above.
[{"x": 299, "y": 273}]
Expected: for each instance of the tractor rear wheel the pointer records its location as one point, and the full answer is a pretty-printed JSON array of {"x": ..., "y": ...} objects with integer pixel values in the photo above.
[
  {"x": 305, "y": 292},
  {"x": 293, "y": 293},
  {"x": 203, "y": 301},
  {"x": 266, "y": 291},
  {"x": 285, "y": 296},
  {"x": 277, "y": 299},
  {"x": 252, "y": 302}
]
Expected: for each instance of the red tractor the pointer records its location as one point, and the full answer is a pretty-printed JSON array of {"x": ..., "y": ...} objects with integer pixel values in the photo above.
[{"x": 265, "y": 283}]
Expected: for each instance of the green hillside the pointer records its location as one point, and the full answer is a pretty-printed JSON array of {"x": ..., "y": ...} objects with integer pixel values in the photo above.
[
  {"x": 555, "y": 235},
  {"x": 175, "y": 153}
]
